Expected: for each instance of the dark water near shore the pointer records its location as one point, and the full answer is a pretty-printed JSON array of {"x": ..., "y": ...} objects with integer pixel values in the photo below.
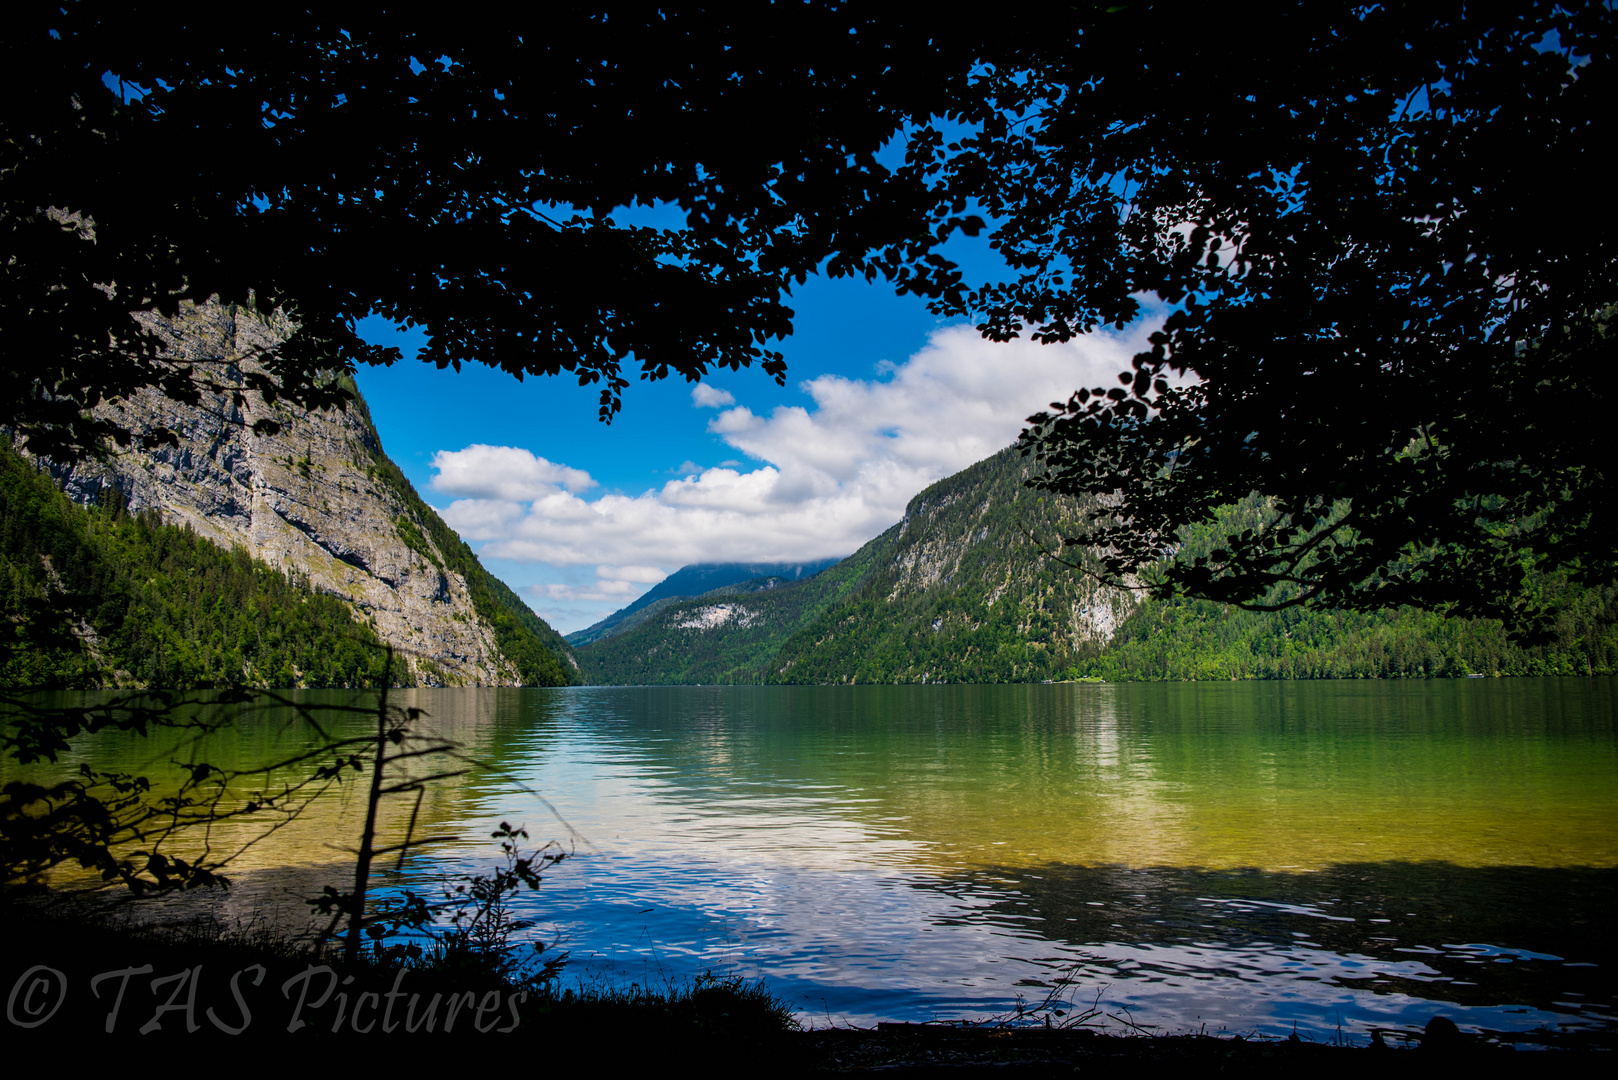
[{"x": 1245, "y": 857}]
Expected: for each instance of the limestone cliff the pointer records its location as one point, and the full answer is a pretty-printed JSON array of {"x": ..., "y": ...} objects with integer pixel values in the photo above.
[{"x": 322, "y": 499}]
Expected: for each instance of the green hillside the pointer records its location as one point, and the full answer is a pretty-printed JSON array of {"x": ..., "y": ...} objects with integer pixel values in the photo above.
[
  {"x": 1197, "y": 640},
  {"x": 959, "y": 591}
]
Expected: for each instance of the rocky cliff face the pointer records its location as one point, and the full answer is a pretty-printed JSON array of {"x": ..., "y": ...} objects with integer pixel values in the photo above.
[
  {"x": 318, "y": 499},
  {"x": 959, "y": 591},
  {"x": 974, "y": 536}
]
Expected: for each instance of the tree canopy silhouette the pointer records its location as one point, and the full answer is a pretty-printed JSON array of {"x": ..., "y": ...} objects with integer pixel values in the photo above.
[
  {"x": 1375, "y": 228},
  {"x": 1382, "y": 315},
  {"x": 450, "y": 174}
]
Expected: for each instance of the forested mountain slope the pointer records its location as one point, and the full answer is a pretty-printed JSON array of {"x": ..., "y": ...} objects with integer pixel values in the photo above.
[
  {"x": 960, "y": 591},
  {"x": 318, "y": 502},
  {"x": 1197, "y": 640},
  {"x": 150, "y": 604},
  {"x": 964, "y": 593}
]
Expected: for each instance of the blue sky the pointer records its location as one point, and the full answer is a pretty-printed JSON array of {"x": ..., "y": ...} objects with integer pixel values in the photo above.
[{"x": 882, "y": 398}]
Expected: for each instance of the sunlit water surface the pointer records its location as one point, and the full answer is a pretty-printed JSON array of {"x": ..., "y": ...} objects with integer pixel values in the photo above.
[{"x": 1328, "y": 858}]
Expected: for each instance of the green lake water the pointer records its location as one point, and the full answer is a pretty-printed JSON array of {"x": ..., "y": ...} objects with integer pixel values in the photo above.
[{"x": 1249, "y": 857}]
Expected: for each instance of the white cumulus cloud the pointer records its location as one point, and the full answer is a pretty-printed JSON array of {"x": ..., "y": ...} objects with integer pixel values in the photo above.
[
  {"x": 646, "y": 575},
  {"x": 708, "y": 397},
  {"x": 822, "y": 478},
  {"x": 507, "y": 473}
]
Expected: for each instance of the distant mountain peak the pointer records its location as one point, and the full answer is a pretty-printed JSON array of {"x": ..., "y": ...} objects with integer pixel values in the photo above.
[{"x": 692, "y": 581}]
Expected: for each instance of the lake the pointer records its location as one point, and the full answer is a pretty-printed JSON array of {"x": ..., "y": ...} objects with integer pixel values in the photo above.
[{"x": 1326, "y": 857}]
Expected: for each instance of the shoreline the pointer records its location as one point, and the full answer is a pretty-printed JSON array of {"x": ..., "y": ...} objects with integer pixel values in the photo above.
[{"x": 200, "y": 984}]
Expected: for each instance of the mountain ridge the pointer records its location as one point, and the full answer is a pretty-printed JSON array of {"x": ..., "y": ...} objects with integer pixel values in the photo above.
[
  {"x": 964, "y": 589},
  {"x": 695, "y": 579}
]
